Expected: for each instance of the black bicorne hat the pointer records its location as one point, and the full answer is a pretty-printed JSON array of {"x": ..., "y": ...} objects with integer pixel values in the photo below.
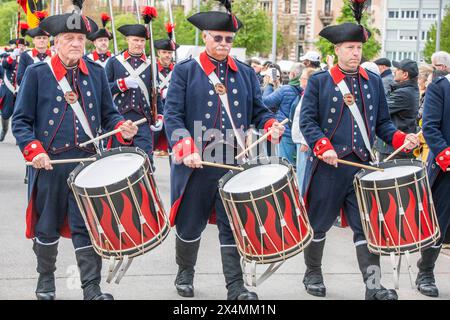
[
  {"x": 217, "y": 20},
  {"x": 103, "y": 32}
]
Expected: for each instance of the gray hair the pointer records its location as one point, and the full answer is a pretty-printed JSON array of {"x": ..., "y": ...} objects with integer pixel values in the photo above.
[
  {"x": 441, "y": 57},
  {"x": 296, "y": 70}
]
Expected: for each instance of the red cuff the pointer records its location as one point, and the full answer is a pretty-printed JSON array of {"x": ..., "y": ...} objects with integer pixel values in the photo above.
[
  {"x": 119, "y": 135},
  {"x": 121, "y": 84},
  {"x": 443, "y": 159},
  {"x": 183, "y": 148},
  {"x": 267, "y": 126},
  {"x": 398, "y": 139},
  {"x": 322, "y": 145},
  {"x": 32, "y": 150},
  {"x": 9, "y": 60}
]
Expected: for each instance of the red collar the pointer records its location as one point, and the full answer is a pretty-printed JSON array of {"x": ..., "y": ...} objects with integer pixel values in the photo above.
[
  {"x": 127, "y": 55},
  {"x": 96, "y": 56},
  {"x": 209, "y": 67},
  {"x": 338, "y": 76},
  {"x": 60, "y": 71},
  {"x": 35, "y": 52},
  {"x": 161, "y": 68}
]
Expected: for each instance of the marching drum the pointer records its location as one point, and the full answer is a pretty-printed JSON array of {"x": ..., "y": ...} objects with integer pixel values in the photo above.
[
  {"x": 120, "y": 204},
  {"x": 267, "y": 216},
  {"x": 396, "y": 207}
]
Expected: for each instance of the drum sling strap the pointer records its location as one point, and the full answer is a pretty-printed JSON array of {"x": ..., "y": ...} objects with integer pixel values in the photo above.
[
  {"x": 343, "y": 88},
  {"x": 164, "y": 81},
  {"x": 76, "y": 107},
  {"x": 224, "y": 99}
]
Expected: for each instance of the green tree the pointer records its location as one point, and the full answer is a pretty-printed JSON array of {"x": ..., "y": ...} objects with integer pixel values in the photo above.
[
  {"x": 370, "y": 49},
  {"x": 430, "y": 46},
  {"x": 8, "y": 11},
  {"x": 255, "y": 34}
]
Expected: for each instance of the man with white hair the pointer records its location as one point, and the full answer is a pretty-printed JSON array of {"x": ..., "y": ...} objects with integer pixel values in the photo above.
[
  {"x": 208, "y": 98},
  {"x": 441, "y": 61},
  {"x": 61, "y": 103}
]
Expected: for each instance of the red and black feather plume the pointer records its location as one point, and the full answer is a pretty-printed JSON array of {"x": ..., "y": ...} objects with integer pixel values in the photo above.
[
  {"x": 226, "y": 4},
  {"x": 105, "y": 18},
  {"x": 41, "y": 15},
  {"x": 149, "y": 13},
  {"x": 78, "y": 4},
  {"x": 358, "y": 7},
  {"x": 24, "y": 28},
  {"x": 169, "y": 28}
]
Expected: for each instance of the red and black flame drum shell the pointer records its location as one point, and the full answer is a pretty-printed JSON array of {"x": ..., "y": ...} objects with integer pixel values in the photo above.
[
  {"x": 398, "y": 213},
  {"x": 269, "y": 224},
  {"x": 126, "y": 217}
]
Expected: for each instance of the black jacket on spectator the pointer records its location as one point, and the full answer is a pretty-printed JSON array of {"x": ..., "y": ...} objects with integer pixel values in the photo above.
[{"x": 403, "y": 101}]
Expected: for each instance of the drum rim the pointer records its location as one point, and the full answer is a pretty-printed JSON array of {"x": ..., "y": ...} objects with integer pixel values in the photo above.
[
  {"x": 271, "y": 160},
  {"x": 390, "y": 164},
  {"x": 111, "y": 187}
]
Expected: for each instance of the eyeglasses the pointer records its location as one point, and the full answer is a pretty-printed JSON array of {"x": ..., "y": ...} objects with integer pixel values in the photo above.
[{"x": 219, "y": 39}]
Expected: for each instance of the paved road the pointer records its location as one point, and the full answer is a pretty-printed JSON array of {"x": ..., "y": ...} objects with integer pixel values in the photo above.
[{"x": 151, "y": 276}]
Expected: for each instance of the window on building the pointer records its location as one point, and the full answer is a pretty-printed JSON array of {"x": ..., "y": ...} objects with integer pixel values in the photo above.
[
  {"x": 266, "y": 6},
  {"x": 394, "y": 14},
  {"x": 425, "y": 35},
  {"x": 327, "y": 7},
  {"x": 301, "y": 32},
  {"x": 391, "y": 35},
  {"x": 300, "y": 52},
  {"x": 287, "y": 6},
  {"x": 408, "y": 35},
  {"x": 302, "y": 6}
]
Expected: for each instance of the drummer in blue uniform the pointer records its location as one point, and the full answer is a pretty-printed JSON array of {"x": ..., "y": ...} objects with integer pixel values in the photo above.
[
  {"x": 197, "y": 124},
  {"x": 39, "y": 53},
  {"x": 130, "y": 79},
  {"x": 61, "y": 103},
  {"x": 100, "y": 40},
  {"x": 9, "y": 87},
  {"x": 343, "y": 110},
  {"x": 165, "y": 50},
  {"x": 436, "y": 130}
]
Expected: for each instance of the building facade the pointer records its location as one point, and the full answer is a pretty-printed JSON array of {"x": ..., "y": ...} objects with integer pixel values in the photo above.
[{"x": 406, "y": 27}]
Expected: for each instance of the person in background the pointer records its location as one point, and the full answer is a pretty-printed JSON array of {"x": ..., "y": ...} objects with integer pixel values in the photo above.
[
  {"x": 403, "y": 102},
  {"x": 384, "y": 65},
  {"x": 256, "y": 65},
  {"x": 281, "y": 100},
  {"x": 371, "y": 66},
  {"x": 441, "y": 61},
  {"x": 311, "y": 59},
  {"x": 424, "y": 73},
  {"x": 297, "y": 136}
]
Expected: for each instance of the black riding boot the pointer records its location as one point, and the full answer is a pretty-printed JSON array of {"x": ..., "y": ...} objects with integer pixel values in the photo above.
[
  {"x": 5, "y": 125},
  {"x": 369, "y": 264},
  {"x": 313, "y": 279},
  {"x": 425, "y": 278},
  {"x": 186, "y": 258},
  {"x": 233, "y": 275},
  {"x": 46, "y": 266},
  {"x": 90, "y": 266}
]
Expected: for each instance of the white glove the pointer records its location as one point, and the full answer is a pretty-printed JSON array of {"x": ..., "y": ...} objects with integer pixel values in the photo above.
[
  {"x": 131, "y": 83},
  {"x": 164, "y": 93},
  {"x": 159, "y": 123}
]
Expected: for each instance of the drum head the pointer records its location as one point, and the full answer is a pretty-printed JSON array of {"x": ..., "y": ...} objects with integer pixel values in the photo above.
[
  {"x": 256, "y": 178},
  {"x": 391, "y": 173},
  {"x": 109, "y": 170}
]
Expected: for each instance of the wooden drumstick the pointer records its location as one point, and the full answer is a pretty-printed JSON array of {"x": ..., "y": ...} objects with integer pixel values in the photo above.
[
  {"x": 111, "y": 133},
  {"x": 263, "y": 138},
  {"x": 400, "y": 149},
  {"x": 356, "y": 164},
  {"x": 223, "y": 166},
  {"x": 65, "y": 161}
]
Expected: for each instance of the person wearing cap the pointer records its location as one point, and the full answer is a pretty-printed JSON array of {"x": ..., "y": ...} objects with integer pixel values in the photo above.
[
  {"x": 100, "y": 39},
  {"x": 384, "y": 65},
  {"x": 130, "y": 80},
  {"x": 46, "y": 126},
  {"x": 329, "y": 125},
  {"x": 436, "y": 130},
  {"x": 199, "y": 127},
  {"x": 311, "y": 59},
  {"x": 9, "y": 88},
  {"x": 165, "y": 50},
  {"x": 39, "y": 53},
  {"x": 403, "y": 101}
]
